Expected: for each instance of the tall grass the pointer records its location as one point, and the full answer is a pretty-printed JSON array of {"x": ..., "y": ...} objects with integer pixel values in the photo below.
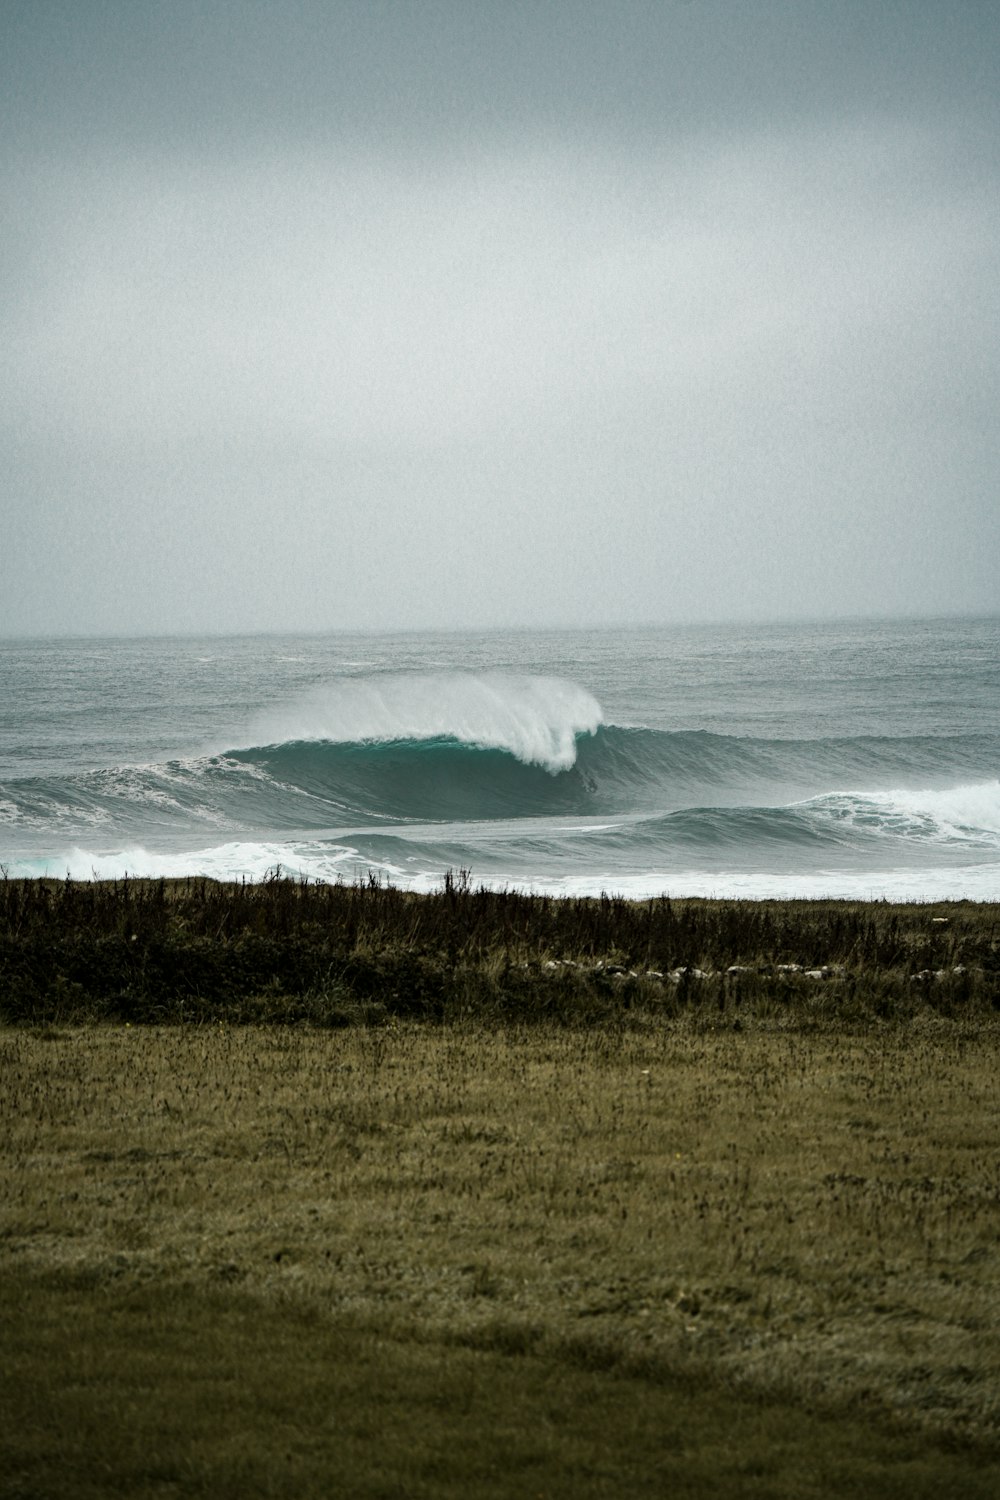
[{"x": 281, "y": 950}]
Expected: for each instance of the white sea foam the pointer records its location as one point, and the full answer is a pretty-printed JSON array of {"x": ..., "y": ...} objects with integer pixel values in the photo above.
[
  {"x": 234, "y": 861},
  {"x": 536, "y": 719},
  {"x": 959, "y": 883},
  {"x": 968, "y": 815},
  {"x": 327, "y": 861}
]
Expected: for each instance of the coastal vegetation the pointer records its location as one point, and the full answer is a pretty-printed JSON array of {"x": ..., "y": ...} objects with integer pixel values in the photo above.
[
  {"x": 315, "y": 1190},
  {"x": 285, "y": 951}
]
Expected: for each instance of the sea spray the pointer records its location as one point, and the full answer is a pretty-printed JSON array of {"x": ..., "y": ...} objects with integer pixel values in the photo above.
[{"x": 535, "y": 719}]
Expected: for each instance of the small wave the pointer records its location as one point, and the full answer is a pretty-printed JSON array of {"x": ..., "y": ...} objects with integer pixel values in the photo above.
[
  {"x": 962, "y": 815},
  {"x": 680, "y": 759}
]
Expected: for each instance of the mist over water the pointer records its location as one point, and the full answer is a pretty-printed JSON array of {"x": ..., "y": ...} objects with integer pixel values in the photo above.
[
  {"x": 535, "y": 719},
  {"x": 852, "y": 759}
]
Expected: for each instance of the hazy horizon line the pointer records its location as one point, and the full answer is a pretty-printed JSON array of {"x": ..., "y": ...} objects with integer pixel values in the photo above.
[{"x": 621, "y": 626}]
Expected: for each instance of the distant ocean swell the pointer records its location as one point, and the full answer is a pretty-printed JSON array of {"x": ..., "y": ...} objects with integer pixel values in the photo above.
[{"x": 522, "y": 781}]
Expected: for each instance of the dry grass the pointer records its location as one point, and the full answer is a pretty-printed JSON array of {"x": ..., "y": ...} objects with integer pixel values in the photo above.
[{"x": 811, "y": 1219}]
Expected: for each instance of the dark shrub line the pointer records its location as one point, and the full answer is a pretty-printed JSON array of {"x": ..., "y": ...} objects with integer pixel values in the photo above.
[{"x": 283, "y": 950}]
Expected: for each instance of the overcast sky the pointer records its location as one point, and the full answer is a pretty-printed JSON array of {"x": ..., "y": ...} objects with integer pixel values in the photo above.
[{"x": 420, "y": 313}]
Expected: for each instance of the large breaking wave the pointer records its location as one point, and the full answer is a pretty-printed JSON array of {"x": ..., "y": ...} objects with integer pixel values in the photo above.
[
  {"x": 535, "y": 719},
  {"x": 519, "y": 778},
  {"x": 856, "y": 783}
]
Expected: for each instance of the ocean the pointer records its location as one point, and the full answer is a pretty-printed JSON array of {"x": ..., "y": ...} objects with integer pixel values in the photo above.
[{"x": 851, "y": 759}]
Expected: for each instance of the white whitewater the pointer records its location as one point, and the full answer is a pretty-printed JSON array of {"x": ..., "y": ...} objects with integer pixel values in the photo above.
[{"x": 535, "y": 719}]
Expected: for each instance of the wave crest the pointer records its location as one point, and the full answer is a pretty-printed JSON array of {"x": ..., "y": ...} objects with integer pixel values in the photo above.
[
  {"x": 535, "y": 719},
  {"x": 961, "y": 815}
]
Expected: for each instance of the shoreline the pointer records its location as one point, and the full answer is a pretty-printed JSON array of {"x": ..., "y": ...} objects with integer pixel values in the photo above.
[{"x": 235, "y": 864}]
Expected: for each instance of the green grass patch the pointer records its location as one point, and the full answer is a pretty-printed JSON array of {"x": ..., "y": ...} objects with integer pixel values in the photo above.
[
  {"x": 156, "y": 1391},
  {"x": 487, "y": 1194}
]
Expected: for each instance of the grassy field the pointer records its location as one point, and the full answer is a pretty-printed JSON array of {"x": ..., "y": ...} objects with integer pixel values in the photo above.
[{"x": 734, "y": 1234}]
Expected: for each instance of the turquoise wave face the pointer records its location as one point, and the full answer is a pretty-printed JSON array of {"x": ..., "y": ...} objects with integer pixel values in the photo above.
[
  {"x": 857, "y": 759},
  {"x": 744, "y": 783},
  {"x": 616, "y": 770},
  {"x": 420, "y": 780}
]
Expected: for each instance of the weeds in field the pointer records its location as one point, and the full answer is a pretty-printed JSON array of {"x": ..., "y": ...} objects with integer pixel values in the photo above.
[
  {"x": 335, "y": 955},
  {"x": 810, "y": 1217},
  {"x": 716, "y": 1150}
]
